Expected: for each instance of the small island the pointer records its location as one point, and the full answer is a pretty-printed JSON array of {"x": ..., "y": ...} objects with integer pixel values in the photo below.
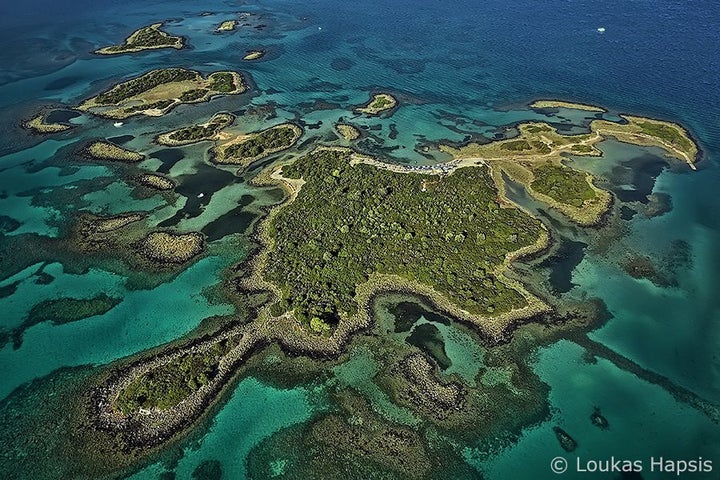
[
  {"x": 347, "y": 131},
  {"x": 168, "y": 247},
  {"x": 39, "y": 124},
  {"x": 102, "y": 150},
  {"x": 146, "y": 38},
  {"x": 157, "y": 92},
  {"x": 94, "y": 225},
  {"x": 254, "y": 55},
  {"x": 243, "y": 150},
  {"x": 196, "y": 133},
  {"x": 380, "y": 102},
  {"x": 227, "y": 26},
  {"x": 541, "y": 104},
  {"x": 155, "y": 181}
]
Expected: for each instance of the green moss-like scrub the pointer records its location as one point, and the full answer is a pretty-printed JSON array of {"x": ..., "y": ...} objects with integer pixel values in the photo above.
[
  {"x": 166, "y": 386},
  {"x": 379, "y": 103},
  {"x": 102, "y": 150},
  {"x": 159, "y": 91},
  {"x": 146, "y": 38},
  {"x": 246, "y": 149},
  {"x": 197, "y": 133},
  {"x": 563, "y": 184},
  {"x": 167, "y": 247}
]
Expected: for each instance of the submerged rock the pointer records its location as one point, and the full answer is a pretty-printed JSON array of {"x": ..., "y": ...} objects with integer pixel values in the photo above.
[
  {"x": 598, "y": 420},
  {"x": 566, "y": 441}
]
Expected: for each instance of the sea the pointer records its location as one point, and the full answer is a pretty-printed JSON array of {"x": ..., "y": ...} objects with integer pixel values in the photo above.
[{"x": 461, "y": 69}]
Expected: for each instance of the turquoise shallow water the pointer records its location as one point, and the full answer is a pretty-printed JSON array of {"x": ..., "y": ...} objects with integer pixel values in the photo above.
[{"x": 460, "y": 69}]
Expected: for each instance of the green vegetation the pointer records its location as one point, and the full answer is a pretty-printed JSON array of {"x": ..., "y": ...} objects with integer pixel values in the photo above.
[
  {"x": 136, "y": 86},
  {"x": 516, "y": 146},
  {"x": 379, "y": 103},
  {"x": 147, "y": 38},
  {"x": 194, "y": 95},
  {"x": 159, "y": 105},
  {"x": 103, "y": 150},
  {"x": 562, "y": 104},
  {"x": 222, "y": 82},
  {"x": 227, "y": 26},
  {"x": 538, "y": 128},
  {"x": 541, "y": 147},
  {"x": 349, "y": 222},
  {"x": 167, "y": 385},
  {"x": 197, "y": 133},
  {"x": 667, "y": 133},
  {"x": 157, "y": 91},
  {"x": 580, "y": 148},
  {"x": 39, "y": 125},
  {"x": 347, "y": 131},
  {"x": 563, "y": 184},
  {"x": 671, "y": 137},
  {"x": 258, "y": 145}
]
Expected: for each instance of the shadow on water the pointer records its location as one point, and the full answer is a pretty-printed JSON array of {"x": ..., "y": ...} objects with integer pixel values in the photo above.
[
  {"x": 633, "y": 180},
  {"x": 428, "y": 338},
  {"x": 121, "y": 139},
  {"x": 236, "y": 220},
  {"x": 562, "y": 263},
  {"x": 408, "y": 313},
  {"x": 61, "y": 116},
  {"x": 169, "y": 157},
  {"x": 199, "y": 188}
]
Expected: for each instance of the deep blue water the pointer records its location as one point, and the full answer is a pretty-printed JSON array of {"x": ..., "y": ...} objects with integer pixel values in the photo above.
[{"x": 459, "y": 67}]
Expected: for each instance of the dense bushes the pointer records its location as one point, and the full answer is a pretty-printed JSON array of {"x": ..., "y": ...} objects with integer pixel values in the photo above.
[
  {"x": 351, "y": 221},
  {"x": 563, "y": 184},
  {"x": 267, "y": 140}
]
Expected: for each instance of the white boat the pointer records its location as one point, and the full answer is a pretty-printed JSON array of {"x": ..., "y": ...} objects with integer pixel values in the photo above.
[
  {"x": 601, "y": 29},
  {"x": 200, "y": 195},
  {"x": 118, "y": 124}
]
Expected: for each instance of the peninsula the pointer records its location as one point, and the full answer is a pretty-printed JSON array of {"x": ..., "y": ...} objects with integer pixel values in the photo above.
[
  {"x": 562, "y": 104},
  {"x": 146, "y": 38},
  {"x": 157, "y": 92},
  {"x": 535, "y": 158},
  {"x": 39, "y": 124}
]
